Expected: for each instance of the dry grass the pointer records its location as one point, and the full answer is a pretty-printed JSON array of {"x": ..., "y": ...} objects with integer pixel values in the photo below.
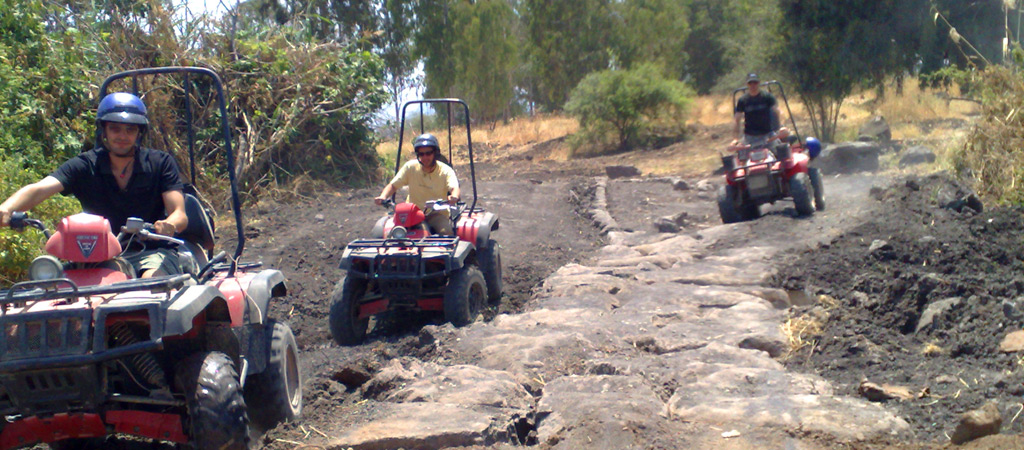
[
  {"x": 802, "y": 332},
  {"x": 500, "y": 140},
  {"x": 994, "y": 153},
  {"x": 932, "y": 349}
]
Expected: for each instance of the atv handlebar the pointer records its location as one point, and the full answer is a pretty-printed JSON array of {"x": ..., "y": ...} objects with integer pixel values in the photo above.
[
  {"x": 20, "y": 220},
  {"x": 135, "y": 225}
]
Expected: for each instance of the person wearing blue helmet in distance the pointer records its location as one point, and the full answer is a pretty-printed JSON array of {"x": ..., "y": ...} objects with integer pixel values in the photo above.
[{"x": 119, "y": 179}]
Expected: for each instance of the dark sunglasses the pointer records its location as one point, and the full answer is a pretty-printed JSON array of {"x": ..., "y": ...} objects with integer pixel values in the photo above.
[{"x": 418, "y": 154}]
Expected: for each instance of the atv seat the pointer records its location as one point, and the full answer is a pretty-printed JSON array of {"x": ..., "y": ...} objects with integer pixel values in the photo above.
[{"x": 199, "y": 231}]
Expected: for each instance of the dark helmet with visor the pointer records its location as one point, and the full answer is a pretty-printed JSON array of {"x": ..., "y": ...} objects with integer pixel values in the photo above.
[
  {"x": 426, "y": 140},
  {"x": 122, "y": 107}
]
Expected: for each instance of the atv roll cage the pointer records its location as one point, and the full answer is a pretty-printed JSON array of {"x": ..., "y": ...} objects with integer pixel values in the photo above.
[
  {"x": 771, "y": 86},
  {"x": 447, "y": 102},
  {"x": 236, "y": 203}
]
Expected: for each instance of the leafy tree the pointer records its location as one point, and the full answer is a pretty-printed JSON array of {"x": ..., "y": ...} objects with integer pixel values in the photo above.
[
  {"x": 394, "y": 44},
  {"x": 709, "y": 53},
  {"x": 433, "y": 42},
  {"x": 652, "y": 31},
  {"x": 626, "y": 104},
  {"x": 840, "y": 44},
  {"x": 485, "y": 56},
  {"x": 566, "y": 40}
]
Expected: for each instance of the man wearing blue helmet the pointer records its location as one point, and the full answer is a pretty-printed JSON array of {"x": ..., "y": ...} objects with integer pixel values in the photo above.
[
  {"x": 428, "y": 179},
  {"x": 119, "y": 179}
]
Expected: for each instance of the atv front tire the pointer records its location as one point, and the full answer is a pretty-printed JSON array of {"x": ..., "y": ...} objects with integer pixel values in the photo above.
[
  {"x": 726, "y": 206},
  {"x": 275, "y": 395},
  {"x": 799, "y": 189},
  {"x": 490, "y": 265},
  {"x": 216, "y": 409},
  {"x": 819, "y": 189},
  {"x": 346, "y": 326},
  {"x": 464, "y": 295}
]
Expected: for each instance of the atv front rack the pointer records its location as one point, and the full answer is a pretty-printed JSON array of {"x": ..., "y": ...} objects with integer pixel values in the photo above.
[
  {"x": 403, "y": 268},
  {"x": 42, "y": 290}
]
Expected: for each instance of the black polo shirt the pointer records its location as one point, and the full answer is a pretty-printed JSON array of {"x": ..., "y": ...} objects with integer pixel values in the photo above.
[
  {"x": 90, "y": 179},
  {"x": 756, "y": 111}
]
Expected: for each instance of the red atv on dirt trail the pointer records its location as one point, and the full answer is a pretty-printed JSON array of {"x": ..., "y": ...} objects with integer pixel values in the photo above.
[
  {"x": 769, "y": 172},
  {"x": 87, "y": 350},
  {"x": 406, "y": 268}
]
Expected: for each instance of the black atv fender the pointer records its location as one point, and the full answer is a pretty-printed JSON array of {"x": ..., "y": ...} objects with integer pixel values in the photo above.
[
  {"x": 189, "y": 303},
  {"x": 265, "y": 285},
  {"x": 488, "y": 222},
  {"x": 465, "y": 253}
]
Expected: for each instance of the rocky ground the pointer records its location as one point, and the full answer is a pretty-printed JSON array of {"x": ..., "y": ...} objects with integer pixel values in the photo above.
[
  {"x": 634, "y": 319},
  {"x": 616, "y": 335},
  {"x": 921, "y": 298}
]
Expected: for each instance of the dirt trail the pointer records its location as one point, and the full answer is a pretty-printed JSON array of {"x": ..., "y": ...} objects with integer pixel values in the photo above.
[{"x": 542, "y": 230}]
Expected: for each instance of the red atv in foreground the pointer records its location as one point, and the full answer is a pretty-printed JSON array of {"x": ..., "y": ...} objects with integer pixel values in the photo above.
[
  {"x": 405, "y": 267},
  {"x": 769, "y": 172},
  {"x": 88, "y": 350}
]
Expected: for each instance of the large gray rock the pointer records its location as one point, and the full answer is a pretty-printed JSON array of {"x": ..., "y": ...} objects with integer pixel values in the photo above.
[
  {"x": 877, "y": 129},
  {"x": 933, "y": 310},
  {"x": 614, "y": 172},
  {"x": 917, "y": 154},
  {"x": 422, "y": 425},
  {"x": 983, "y": 421},
  {"x": 849, "y": 157},
  {"x": 602, "y": 411}
]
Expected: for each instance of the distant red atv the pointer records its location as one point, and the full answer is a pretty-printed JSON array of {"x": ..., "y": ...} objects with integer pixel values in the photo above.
[
  {"x": 406, "y": 268},
  {"x": 88, "y": 350},
  {"x": 767, "y": 173}
]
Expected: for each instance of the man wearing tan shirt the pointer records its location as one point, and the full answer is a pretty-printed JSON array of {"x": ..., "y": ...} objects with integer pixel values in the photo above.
[{"x": 428, "y": 179}]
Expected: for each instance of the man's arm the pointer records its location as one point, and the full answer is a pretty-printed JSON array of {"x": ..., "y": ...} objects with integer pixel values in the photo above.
[
  {"x": 736, "y": 129},
  {"x": 455, "y": 195},
  {"x": 775, "y": 117},
  {"x": 388, "y": 191},
  {"x": 176, "y": 221},
  {"x": 28, "y": 197}
]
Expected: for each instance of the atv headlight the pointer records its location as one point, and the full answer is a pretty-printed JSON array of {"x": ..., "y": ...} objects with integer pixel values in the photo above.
[
  {"x": 45, "y": 267},
  {"x": 398, "y": 232}
]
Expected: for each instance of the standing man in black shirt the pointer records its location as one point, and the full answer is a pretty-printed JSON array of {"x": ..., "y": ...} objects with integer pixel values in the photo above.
[
  {"x": 119, "y": 179},
  {"x": 759, "y": 111}
]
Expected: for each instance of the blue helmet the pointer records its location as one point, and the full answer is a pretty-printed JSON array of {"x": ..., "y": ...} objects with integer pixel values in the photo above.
[
  {"x": 813, "y": 147},
  {"x": 426, "y": 140},
  {"x": 122, "y": 107}
]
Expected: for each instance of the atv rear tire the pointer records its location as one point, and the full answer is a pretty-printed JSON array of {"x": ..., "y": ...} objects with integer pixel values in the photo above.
[
  {"x": 726, "y": 206},
  {"x": 819, "y": 189},
  {"x": 799, "y": 189},
  {"x": 346, "y": 326},
  {"x": 216, "y": 410},
  {"x": 275, "y": 395},
  {"x": 490, "y": 265},
  {"x": 464, "y": 295}
]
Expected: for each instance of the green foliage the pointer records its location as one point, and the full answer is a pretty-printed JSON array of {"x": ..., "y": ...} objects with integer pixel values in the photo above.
[
  {"x": 965, "y": 80},
  {"x": 485, "y": 57},
  {"x": 993, "y": 154},
  {"x": 566, "y": 40},
  {"x": 850, "y": 44},
  {"x": 651, "y": 32},
  {"x": 627, "y": 105},
  {"x": 18, "y": 249},
  {"x": 433, "y": 45}
]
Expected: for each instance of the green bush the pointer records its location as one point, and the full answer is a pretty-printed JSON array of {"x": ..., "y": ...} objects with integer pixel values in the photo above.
[
  {"x": 624, "y": 109},
  {"x": 18, "y": 249}
]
